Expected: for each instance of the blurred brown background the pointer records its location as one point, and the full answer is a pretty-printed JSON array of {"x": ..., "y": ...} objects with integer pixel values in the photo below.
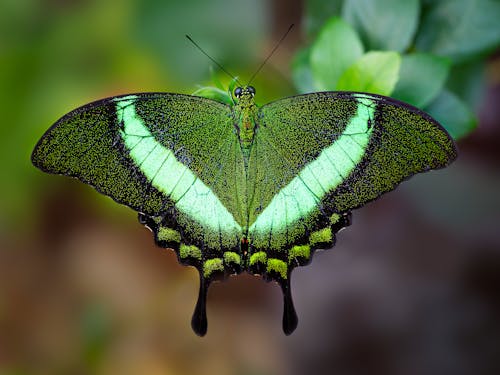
[{"x": 412, "y": 287}]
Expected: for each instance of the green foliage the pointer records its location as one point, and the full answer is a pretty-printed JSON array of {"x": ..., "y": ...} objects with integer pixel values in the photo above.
[
  {"x": 373, "y": 72},
  {"x": 450, "y": 110},
  {"x": 218, "y": 93},
  {"x": 383, "y": 25},
  {"x": 428, "y": 54},
  {"x": 421, "y": 78},
  {"x": 317, "y": 12},
  {"x": 460, "y": 29},
  {"x": 337, "y": 42},
  {"x": 214, "y": 93}
]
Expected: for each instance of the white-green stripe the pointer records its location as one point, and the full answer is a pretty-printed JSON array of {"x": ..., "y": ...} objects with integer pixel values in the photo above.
[
  {"x": 160, "y": 166},
  {"x": 301, "y": 196}
]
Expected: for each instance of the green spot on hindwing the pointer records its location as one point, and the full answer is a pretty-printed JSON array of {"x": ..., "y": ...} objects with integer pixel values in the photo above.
[
  {"x": 212, "y": 266},
  {"x": 157, "y": 219},
  {"x": 189, "y": 251},
  {"x": 168, "y": 235},
  {"x": 259, "y": 257},
  {"x": 321, "y": 237},
  {"x": 299, "y": 252},
  {"x": 335, "y": 218},
  {"x": 232, "y": 257},
  {"x": 278, "y": 266}
]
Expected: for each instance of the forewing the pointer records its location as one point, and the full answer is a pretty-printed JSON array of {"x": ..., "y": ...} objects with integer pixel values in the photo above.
[
  {"x": 330, "y": 152},
  {"x": 161, "y": 154}
]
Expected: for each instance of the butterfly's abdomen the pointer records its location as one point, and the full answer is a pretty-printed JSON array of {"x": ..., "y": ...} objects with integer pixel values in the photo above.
[
  {"x": 246, "y": 126},
  {"x": 247, "y": 132}
]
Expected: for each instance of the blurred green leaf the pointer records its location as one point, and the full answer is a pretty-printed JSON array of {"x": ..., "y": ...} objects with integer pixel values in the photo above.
[
  {"x": 453, "y": 114},
  {"x": 374, "y": 72},
  {"x": 421, "y": 78},
  {"x": 336, "y": 48},
  {"x": 232, "y": 85},
  {"x": 467, "y": 81},
  {"x": 301, "y": 72},
  {"x": 383, "y": 24},
  {"x": 215, "y": 78},
  {"x": 318, "y": 12},
  {"x": 460, "y": 28},
  {"x": 214, "y": 93}
]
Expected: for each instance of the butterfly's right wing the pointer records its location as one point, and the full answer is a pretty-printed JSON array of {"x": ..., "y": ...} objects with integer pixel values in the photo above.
[
  {"x": 173, "y": 158},
  {"x": 165, "y": 155}
]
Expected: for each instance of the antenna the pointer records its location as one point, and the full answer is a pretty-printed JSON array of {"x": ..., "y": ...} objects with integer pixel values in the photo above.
[
  {"x": 213, "y": 60},
  {"x": 272, "y": 52}
]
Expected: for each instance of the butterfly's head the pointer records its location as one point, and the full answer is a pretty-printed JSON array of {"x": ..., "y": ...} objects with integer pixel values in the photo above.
[{"x": 244, "y": 94}]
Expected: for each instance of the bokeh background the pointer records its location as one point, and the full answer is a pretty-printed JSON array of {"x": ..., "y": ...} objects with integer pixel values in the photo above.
[{"x": 412, "y": 287}]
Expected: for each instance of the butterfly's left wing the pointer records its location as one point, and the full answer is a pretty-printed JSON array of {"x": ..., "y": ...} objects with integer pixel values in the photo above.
[
  {"x": 317, "y": 156},
  {"x": 323, "y": 154}
]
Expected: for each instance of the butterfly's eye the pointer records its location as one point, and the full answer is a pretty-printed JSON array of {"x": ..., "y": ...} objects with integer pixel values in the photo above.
[
  {"x": 238, "y": 91},
  {"x": 251, "y": 90}
]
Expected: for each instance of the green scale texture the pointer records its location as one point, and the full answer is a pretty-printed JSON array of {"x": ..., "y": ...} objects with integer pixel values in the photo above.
[{"x": 235, "y": 188}]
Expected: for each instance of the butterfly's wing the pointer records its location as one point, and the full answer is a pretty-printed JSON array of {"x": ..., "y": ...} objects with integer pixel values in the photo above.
[
  {"x": 164, "y": 155},
  {"x": 317, "y": 156},
  {"x": 173, "y": 158}
]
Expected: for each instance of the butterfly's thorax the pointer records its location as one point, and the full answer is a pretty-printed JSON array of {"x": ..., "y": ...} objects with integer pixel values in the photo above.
[{"x": 245, "y": 113}]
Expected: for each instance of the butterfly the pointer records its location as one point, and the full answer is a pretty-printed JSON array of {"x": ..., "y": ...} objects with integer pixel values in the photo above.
[{"x": 237, "y": 187}]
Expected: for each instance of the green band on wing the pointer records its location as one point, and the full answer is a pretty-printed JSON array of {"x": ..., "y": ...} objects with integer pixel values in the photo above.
[
  {"x": 167, "y": 174},
  {"x": 301, "y": 196}
]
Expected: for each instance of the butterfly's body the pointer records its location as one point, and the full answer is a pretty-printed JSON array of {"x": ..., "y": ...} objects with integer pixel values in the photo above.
[
  {"x": 245, "y": 113},
  {"x": 241, "y": 187}
]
